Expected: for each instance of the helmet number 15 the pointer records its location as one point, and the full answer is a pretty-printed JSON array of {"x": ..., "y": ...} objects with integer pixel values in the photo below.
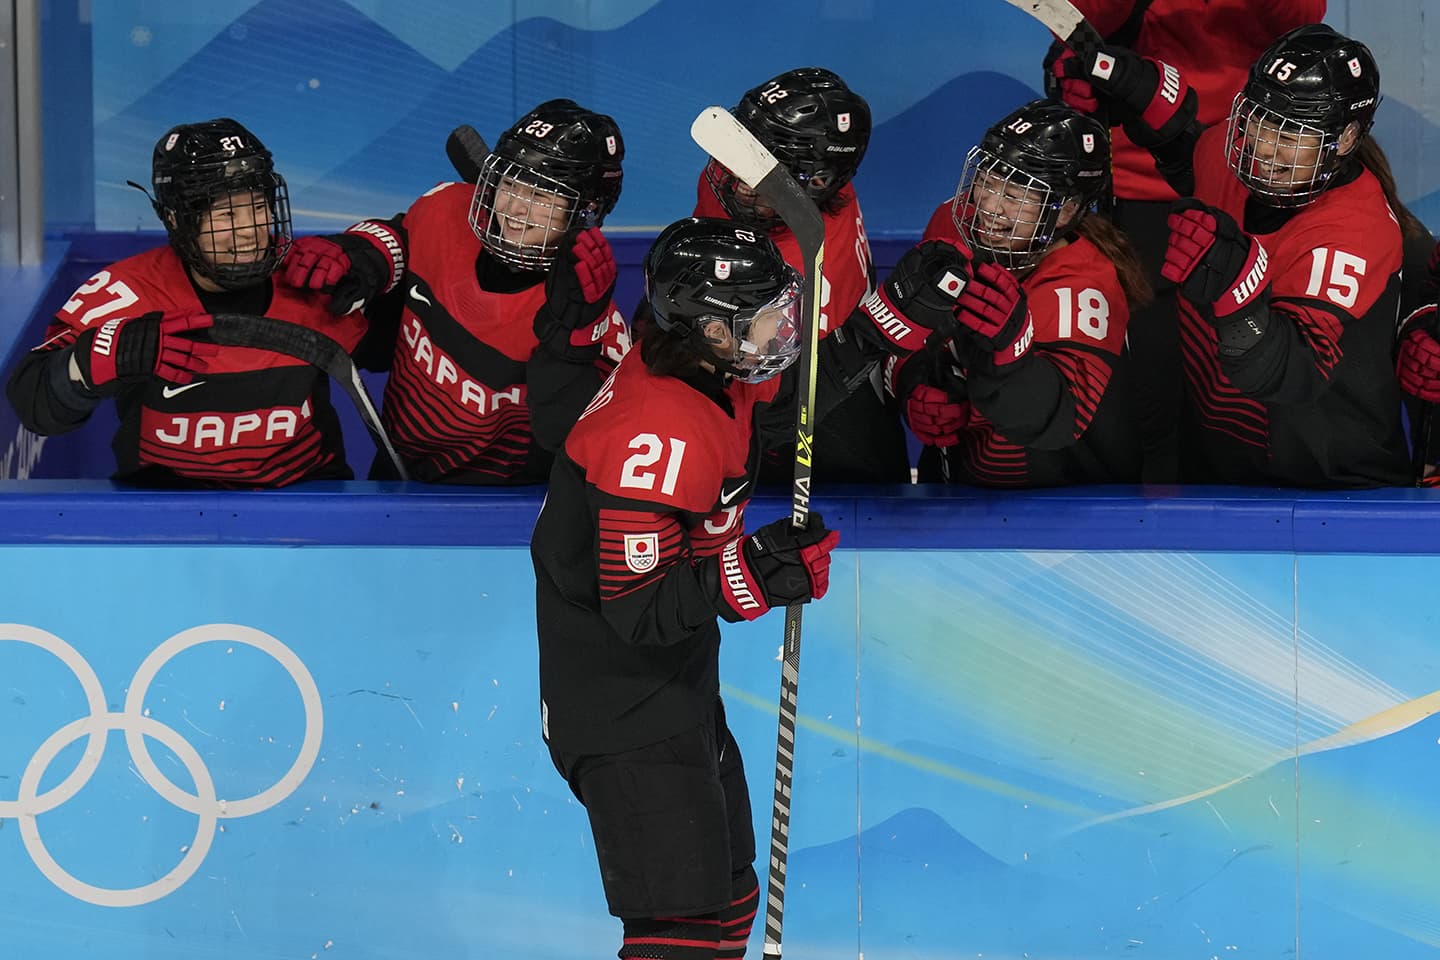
[{"x": 1281, "y": 69}]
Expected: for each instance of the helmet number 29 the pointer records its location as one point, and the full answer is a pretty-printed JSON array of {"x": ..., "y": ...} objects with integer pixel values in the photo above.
[
  {"x": 1088, "y": 311},
  {"x": 636, "y": 473}
]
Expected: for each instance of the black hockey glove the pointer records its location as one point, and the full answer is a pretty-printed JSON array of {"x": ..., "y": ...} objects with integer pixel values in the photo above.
[
  {"x": 775, "y": 566},
  {"x": 124, "y": 351},
  {"x": 353, "y": 267},
  {"x": 578, "y": 289},
  {"x": 919, "y": 295},
  {"x": 1150, "y": 97}
]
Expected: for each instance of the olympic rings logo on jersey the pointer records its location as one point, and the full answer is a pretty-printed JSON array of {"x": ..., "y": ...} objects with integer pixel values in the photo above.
[{"x": 136, "y": 725}]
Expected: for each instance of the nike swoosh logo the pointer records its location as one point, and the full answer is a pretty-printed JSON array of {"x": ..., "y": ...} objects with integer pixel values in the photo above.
[
  {"x": 167, "y": 391},
  {"x": 728, "y": 495},
  {"x": 415, "y": 292}
]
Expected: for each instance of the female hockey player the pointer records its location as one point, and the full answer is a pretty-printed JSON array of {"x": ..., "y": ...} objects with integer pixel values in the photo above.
[
  {"x": 639, "y": 550},
  {"x": 1032, "y": 390},
  {"x": 493, "y": 314},
  {"x": 819, "y": 128},
  {"x": 1287, "y": 259},
  {"x": 1213, "y": 42},
  {"x": 192, "y": 412}
]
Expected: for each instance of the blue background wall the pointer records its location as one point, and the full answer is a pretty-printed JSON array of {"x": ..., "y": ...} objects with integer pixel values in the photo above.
[{"x": 356, "y": 97}]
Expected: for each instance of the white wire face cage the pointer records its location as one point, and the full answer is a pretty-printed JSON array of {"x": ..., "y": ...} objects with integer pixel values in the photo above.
[
  {"x": 1004, "y": 214},
  {"x": 762, "y": 342},
  {"x": 521, "y": 215},
  {"x": 1284, "y": 162}
]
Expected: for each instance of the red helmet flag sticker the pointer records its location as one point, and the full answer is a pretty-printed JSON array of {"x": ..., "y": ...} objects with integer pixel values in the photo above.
[
  {"x": 1354, "y": 66},
  {"x": 1087, "y": 140},
  {"x": 842, "y": 121},
  {"x": 610, "y": 145},
  {"x": 722, "y": 269},
  {"x": 642, "y": 551}
]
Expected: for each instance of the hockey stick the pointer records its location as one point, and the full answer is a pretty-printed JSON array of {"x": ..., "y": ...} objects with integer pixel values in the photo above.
[
  {"x": 314, "y": 348},
  {"x": 1070, "y": 25},
  {"x": 467, "y": 151},
  {"x": 1421, "y": 435},
  {"x": 735, "y": 148},
  {"x": 1063, "y": 20}
]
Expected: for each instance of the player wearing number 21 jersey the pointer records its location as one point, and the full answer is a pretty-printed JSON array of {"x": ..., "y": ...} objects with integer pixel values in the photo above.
[
  {"x": 1032, "y": 390},
  {"x": 639, "y": 551}
]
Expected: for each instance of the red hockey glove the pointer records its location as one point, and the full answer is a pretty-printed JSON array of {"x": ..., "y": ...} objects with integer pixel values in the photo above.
[
  {"x": 1062, "y": 81},
  {"x": 1220, "y": 269},
  {"x": 993, "y": 313},
  {"x": 919, "y": 295},
  {"x": 572, "y": 320},
  {"x": 1151, "y": 98},
  {"x": 775, "y": 566},
  {"x": 935, "y": 417},
  {"x": 353, "y": 267},
  {"x": 130, "y": 350},
  {"x": 1417, "y": 365}
]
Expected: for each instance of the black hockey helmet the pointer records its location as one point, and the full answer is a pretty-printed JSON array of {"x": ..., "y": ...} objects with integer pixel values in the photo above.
[
  {"x": 1306, "y": 89},
  {"x": 557, "y": 152},
  {"x": 1019, "y": 180},
  {"x": 813, "y": 123},
  {"x": 226, "y": 210},
  {"x": 726, "y": 291}
]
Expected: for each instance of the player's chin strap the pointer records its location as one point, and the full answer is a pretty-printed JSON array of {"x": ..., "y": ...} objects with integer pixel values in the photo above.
[{"x": 316, "y": 349}]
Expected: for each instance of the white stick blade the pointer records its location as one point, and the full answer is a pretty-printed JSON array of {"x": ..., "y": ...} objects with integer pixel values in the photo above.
[
  {"x": 723, "y": 137},
  {"x": 1059, "y": 15}
]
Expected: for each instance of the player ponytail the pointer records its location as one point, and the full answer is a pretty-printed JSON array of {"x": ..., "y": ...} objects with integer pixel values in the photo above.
[
  {"x": 1373, "y": 159},
  {"x": 1113, "y": 244}
]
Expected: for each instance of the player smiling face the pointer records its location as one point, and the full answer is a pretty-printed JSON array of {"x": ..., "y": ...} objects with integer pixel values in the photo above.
[{"x": 529, "y": 216}]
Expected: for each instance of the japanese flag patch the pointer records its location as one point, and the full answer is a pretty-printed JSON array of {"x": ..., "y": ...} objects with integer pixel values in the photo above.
[
  {"x": 842, "y": 121},
  {"x": 1087, "y": 140},
  {"x": 1104, "y": 66},
  {"x": 1354, "y": 66},
  {"x": 642, "y": 551},
  {"x": 950, "y": 285},
  {"x": 610, "y": 145},
  {"x": 722, "y": 269}
]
